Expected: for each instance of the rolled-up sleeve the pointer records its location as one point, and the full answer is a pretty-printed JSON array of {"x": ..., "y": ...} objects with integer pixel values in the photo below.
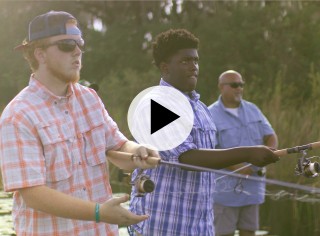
[
  {"x": 114, "y": 138},
  {"x": 174, "y": 154}
]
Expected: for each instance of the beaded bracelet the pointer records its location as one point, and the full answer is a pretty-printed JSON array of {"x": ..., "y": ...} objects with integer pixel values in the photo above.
[{"x": 97, "y": 212}]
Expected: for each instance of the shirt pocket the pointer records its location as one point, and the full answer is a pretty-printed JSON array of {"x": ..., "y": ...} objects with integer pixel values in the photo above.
[
  {"x": 255, "y": 131},
  {"x": 95, "y": 145},
  {"x": 55, "y": 138},
  {"x": 229, "y": 136}
]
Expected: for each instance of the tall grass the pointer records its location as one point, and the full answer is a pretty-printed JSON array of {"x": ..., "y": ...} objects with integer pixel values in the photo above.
[{"x": 295, "y": 124}]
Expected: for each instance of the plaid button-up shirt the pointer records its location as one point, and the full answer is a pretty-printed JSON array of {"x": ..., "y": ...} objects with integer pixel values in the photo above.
[
  {"x": 182, "y": 201},
  {"x": 59, "y": 142}
]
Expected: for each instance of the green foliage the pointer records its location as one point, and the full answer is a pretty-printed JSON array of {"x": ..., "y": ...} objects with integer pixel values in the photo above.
[
  {"x": 294, "y": 127},
  {"x": 274, "y": 44},
  {"x": 118, "y": 90}
]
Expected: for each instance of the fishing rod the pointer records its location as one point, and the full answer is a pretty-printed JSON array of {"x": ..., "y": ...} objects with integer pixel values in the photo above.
[
  {"x": 297, "y": 149},
  {"x": 304, "y": 167}
]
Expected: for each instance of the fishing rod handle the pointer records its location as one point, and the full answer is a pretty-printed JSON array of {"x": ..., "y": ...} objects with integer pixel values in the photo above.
[
  {"x": 126, "y": 156},
  {"x": 297, "y": 149}
]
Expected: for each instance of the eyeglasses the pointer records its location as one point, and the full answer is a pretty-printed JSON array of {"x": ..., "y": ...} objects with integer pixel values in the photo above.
[
  {"x": 235, "y": 84},
  {"x": 67, "y": 45}
]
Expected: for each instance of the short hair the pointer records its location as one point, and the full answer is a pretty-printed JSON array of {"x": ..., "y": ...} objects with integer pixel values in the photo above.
[
  {"x": 28, "y": 53},
  {"x": 28, "y": 50},
  {"x": 169, "y": 42}
]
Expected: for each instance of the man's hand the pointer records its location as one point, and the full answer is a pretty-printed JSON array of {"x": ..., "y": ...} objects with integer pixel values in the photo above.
[
  {"x": 141, "y": 156},
  {"x": 262, "y": 156},
  {"x": 113, "y": 213},
  {"x": 53, "y": 202}
]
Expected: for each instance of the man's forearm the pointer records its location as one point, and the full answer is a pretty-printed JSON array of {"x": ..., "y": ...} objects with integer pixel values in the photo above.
[
  {"x": 122, "y": 163},
  {"x": 222, "y": 158},
  {"x": 216, "y": 158},
  {"x": 55, "y": 203}
]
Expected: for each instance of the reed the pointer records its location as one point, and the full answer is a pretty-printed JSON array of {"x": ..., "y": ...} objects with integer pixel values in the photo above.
[{"x": 295, "y": 125}]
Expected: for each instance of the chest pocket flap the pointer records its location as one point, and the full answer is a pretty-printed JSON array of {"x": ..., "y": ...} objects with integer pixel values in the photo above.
[
  {"x": 228, "y": 135},
  {"x": 95, "y": 145},
  {"x": 94, "y": 137},
  {"x": 56, "y": 150}
]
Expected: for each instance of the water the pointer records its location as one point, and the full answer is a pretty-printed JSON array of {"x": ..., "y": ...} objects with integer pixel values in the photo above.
[
  {"x": 286, "y": 217},
  {"x": 6, "y": 224}
]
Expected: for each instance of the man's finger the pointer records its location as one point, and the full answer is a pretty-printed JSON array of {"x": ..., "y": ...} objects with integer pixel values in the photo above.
[
  {"x": 153, "y": 153},
  {"x": 132, "y": 219},
  {"x": 121, "y": 199}
]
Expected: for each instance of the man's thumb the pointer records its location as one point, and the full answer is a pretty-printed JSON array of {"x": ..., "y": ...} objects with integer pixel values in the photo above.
[{"x": 122, "y": 199}]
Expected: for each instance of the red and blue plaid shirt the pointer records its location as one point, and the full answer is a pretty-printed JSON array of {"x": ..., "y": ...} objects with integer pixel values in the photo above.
[{"x": 59, "y": 142}]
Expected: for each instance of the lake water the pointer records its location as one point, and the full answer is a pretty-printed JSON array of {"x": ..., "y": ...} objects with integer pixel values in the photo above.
[
  {"x": 6, "y": 225},
  {"x": 285, "y": 217}
]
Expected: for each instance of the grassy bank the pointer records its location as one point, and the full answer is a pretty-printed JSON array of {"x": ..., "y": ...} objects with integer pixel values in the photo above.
[{"x": 295, "y": 122}]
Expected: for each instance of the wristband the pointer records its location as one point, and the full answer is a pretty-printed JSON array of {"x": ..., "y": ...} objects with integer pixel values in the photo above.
[{"x": 97, "y": 213}]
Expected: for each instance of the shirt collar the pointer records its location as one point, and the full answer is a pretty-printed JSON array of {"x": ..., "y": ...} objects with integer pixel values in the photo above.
[
  {"x": 222, "y": 105},
  {"x": 193, "y": 95},
  {"x": 45, "y": 93}
]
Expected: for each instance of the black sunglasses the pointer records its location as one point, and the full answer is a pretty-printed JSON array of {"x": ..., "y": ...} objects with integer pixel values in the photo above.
[
  {"x": 235, "y": 84},
  {"x": 67, "y": 45}
]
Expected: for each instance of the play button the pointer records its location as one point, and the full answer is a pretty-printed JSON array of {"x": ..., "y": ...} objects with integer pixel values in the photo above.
[{"x": 160, "y": 117}]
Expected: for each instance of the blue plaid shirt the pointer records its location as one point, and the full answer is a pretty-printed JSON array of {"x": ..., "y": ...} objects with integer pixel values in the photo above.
[
  {"x": 248, "y": 129},
  {"x": 182, "y": 202}
]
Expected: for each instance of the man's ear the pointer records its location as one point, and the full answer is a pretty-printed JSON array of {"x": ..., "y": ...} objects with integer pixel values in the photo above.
[
  {"x": 220, "y": 86},
  {"x": 40, "y": 55}
]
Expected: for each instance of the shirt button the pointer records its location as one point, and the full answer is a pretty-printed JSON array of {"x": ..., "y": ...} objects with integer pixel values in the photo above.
[
  {"x": 84, "y": 189},
  {"x": 55, "y": 102},
  {"x": 66, "y": 112},
  {"x": 79, "y": 162}
]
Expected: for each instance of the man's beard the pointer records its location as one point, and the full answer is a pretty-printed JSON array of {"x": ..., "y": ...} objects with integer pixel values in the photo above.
[
  {"x": 238, "y": 98},
  {"x": 73, "y": 78}
]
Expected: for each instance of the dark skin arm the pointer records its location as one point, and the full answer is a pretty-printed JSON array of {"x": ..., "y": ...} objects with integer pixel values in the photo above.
[
  {"x": 270, "y": 141},
  {"x": 222, "y": 158}
]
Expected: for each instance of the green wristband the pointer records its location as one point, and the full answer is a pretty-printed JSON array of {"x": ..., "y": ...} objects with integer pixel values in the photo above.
[{"x": 97, "y": 212}]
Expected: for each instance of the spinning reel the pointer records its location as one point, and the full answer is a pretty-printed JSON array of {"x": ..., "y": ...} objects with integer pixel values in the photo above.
[
  {"x": 307, "y": 168},
  {"x": 142, "y": 183}
]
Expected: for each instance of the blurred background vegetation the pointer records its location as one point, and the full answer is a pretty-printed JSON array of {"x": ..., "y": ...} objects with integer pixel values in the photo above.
[{"x": 275, "y": 45}]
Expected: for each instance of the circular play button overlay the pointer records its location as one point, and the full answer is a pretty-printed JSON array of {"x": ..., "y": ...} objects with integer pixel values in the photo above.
[{"x": 160, "y": 117}]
